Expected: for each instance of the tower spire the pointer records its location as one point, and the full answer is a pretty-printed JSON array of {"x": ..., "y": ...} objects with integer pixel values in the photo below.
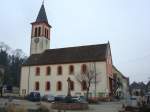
[{"x": 42, "y": 17}]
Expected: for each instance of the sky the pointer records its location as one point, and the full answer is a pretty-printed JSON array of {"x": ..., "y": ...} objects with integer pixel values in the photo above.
[{"x": 124, "y": 23}]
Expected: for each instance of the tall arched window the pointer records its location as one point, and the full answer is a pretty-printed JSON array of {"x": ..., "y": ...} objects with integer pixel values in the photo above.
[
  {"x": 47, "y": 86},
  {"x": 35, "y": 33},
  {"x": 39, "y": 31},
  {"x": 84, "y": 68},
  {"x": 71, "y": 85},
  {"x": 59, "y": 70},
  {"x": 71, "y": 69},
  {"x": 37, "y": 86},
  {"x": 83, "y": 85},
  {"x": 48, "y": 70},
  {"x": 37, "y": 71},
  {"x": 59, "y": 86},
  {"x": 45, "y": 32}
]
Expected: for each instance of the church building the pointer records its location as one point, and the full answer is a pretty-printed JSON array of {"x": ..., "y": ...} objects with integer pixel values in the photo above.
[{"x": 47, "y": 70}]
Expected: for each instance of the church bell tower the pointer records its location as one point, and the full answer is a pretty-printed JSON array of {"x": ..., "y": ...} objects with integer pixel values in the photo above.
[{"x": 40, "y": 36}]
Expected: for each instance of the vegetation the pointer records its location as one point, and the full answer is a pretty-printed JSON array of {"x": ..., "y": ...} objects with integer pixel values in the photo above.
[
  {"x": 117, "y": 84},
  {"x": 89, "y": 77},
  {"x": 12, "y": 61},
  {"x": 43, "y": 108},
  {"x": 13, "y": 108}
]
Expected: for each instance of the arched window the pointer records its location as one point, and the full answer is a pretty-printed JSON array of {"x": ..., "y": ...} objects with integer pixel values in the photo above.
[
  {"x": 71, "y": 85},
  {"x": 59, "y": 70},
  {"x": 83, "y": 85},
  {"x": 59, "y": 86},
  {"x": 83, "y": 69},
  {"x": 37, "y": 86},
  {"x": 39, "y": 31},
  {"x": 37, "y": 71},
  {"x": 47, "y": 87},
  {"x": 71, "y": 69},
  {"x": 35, "y": 33},
  {"x": 48, "y": 70},
  {"x": 45, "y": 32}
]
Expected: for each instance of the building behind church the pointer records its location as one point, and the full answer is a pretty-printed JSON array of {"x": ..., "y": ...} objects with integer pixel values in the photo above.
[{"x": 47, "y": 70}]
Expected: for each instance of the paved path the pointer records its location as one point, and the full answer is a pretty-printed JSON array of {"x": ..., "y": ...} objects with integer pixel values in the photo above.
[{"x": 25, "y": 103}]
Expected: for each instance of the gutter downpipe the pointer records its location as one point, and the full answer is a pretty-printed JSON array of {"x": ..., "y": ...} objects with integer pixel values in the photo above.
[
  {"x": 95, "y": 78},
  {"x": 29, "y": 80}
]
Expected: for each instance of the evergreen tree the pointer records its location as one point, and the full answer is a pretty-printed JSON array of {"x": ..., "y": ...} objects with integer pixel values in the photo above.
[{"x": 12, "y": 63}]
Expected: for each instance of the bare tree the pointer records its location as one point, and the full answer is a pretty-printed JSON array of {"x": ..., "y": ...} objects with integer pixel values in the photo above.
[
  {"x": 117, "y": 84},
  {"x": 89, "y": 77},
  {"x": 1, "y": 82},
  {"x": 4, "y": 47}
]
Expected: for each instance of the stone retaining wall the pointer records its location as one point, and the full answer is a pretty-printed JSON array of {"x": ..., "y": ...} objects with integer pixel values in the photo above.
[{"x": 69, "y": 106}]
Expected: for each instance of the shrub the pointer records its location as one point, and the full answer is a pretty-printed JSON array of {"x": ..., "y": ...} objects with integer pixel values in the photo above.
[
  {"x": 13, "y": 108},
  {"x": 43, "y": 108},
  {"x": 10, "y": 108},
  {"x": 93, "y": 101},
  {"x": 21, "y": 109}
]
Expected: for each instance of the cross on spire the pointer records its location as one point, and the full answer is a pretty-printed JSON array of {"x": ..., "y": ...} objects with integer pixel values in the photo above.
[{"x": 43, "y": 2}]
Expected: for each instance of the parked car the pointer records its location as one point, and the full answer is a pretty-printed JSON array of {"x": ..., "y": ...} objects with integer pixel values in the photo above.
[
  {"x": 80, "y": 99},
  {"x": 60, "y": 98},
  {"x": 49, "y": 98},
  {"x": 34, "y": 96},
  {"x": 7, "y": 88}
]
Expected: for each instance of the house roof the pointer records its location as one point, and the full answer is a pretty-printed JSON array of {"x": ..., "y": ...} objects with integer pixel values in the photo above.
[
  {"x": 42, "y": 17},
  {"x": 139, "y": 85},
  {"x": 148, "y": 84},
  {"x": 69, "y": 55}
]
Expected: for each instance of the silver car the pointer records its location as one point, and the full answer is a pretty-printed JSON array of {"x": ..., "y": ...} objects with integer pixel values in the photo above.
[{"x": 48, "y": 98}]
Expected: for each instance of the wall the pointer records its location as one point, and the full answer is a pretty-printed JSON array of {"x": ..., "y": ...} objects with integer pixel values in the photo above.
[
  {"x": 102, "y": 85},
  {"x": 24, "y": 80}
]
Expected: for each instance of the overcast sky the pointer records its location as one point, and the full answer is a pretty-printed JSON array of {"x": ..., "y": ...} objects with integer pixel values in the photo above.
[{"x": 125, "y": 23}]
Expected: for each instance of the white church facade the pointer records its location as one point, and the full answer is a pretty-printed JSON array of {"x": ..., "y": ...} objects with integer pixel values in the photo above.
[{"x": 47, "y": 70}]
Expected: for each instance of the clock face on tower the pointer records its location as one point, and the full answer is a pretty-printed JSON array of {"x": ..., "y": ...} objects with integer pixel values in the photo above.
[{"x": 36, "y": 40}]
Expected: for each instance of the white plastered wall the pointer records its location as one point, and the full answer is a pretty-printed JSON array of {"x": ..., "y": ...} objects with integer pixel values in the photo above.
[{"x": 101, "y": 86}]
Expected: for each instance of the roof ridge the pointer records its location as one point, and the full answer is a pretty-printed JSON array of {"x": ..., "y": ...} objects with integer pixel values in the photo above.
[{"x": 77, "y": 46}]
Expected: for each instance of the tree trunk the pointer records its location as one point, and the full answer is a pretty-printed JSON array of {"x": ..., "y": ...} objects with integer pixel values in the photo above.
[
  {"x": 87, "y": 94},
  {"x": 1, "y": 91}
]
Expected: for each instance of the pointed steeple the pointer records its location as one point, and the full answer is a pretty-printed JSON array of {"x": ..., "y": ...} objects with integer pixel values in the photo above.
[{"x": 42, "y": 15}]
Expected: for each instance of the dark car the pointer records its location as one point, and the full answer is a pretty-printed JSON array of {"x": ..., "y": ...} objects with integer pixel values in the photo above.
[
  {"x": 81, "y": 99},
  {"x": 8, "y": 88},
  {"x": 34, "y": 96},
  {"x": 59, "y": 98}
]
